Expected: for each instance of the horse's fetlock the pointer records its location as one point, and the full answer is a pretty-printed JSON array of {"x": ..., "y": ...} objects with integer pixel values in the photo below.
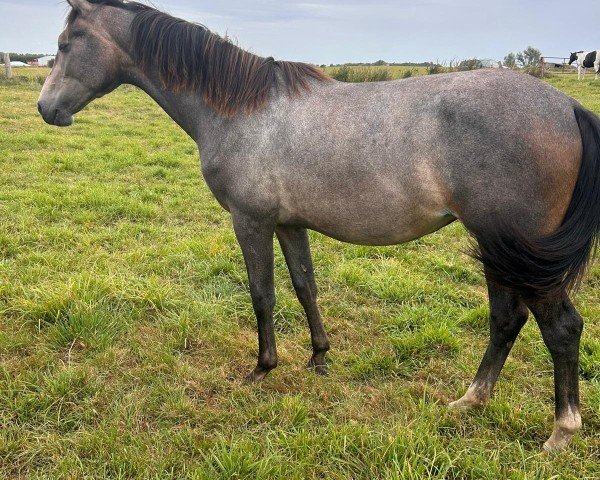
[
  {"x": 322, "y": 347},
  {"x": 569, "y": 422},
  {"x": 267, "y": 361}
]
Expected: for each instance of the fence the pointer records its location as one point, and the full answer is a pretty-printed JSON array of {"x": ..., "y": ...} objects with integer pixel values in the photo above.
[
  {"x": 7, "y": 65},
  {"x": 556, "y": 65}
]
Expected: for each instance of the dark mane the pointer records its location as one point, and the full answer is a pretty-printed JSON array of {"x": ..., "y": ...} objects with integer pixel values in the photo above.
[{"x": 188, "y": 56}]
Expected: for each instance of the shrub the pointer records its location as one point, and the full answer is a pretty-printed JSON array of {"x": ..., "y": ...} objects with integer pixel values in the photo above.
[
  {"x": 470, "y": 64},
  {"x": 435, "y": 68}
]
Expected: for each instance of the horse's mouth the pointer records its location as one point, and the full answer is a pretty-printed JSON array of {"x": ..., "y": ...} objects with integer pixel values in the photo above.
[
  {"x": 57, "y": 117},
  {"x": 62, "y": 118}
]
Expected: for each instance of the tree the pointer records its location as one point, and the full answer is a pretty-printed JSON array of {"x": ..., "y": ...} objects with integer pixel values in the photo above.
[
  {"x": 510, "y": 61},
  {"x": 51, "y": 62},
  {"x": 529, "y": 61},
  {"x": 530, "y": 57}
]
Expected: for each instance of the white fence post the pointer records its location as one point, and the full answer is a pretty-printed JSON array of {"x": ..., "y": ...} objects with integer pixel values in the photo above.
[{"x": 7, "y": 66}]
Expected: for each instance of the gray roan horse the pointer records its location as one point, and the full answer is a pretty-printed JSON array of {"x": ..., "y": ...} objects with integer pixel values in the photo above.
[{"x": 284, "y": 149}]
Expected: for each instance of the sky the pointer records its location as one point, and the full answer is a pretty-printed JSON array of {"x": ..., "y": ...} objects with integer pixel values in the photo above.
[{"x": 324, "y": 32}]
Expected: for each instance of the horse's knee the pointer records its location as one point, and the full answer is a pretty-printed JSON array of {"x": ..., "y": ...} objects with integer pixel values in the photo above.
[{"x": 306, "y": 291}]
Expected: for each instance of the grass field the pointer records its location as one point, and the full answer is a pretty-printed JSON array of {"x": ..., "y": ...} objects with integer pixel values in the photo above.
[{"x": 126, "y": 328}]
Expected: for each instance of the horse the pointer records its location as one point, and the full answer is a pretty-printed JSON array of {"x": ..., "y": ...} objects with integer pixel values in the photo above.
[
  {"x": 284, "y": 148},
  {"x": 586, "y": 60}
]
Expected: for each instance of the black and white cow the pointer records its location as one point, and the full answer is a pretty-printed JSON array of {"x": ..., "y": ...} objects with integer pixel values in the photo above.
[{"x": 586, "y": 60}]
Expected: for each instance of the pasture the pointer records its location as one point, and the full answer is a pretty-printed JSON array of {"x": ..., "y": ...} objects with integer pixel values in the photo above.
[{"x": 126, "y": 328}]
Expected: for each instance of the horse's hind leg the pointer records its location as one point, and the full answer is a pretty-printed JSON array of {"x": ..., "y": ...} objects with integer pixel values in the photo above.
[
  {"x": 508, "y": 314},
  {"x": 561, "y": 328},
  {"x": 296, "y": 249}
]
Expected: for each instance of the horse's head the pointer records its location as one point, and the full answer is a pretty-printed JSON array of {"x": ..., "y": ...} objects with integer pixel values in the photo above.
[
  {"x": 88, "y": 64},
  {"x": 574, "y": 56}
]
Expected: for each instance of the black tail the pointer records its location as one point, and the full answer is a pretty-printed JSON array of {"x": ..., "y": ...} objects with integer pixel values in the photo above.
[{"x": 548, "y": 266}]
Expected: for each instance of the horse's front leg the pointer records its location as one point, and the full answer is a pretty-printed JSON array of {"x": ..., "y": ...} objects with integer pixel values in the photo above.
[
  {"x": 255, "y": 237},
  {"x": 296, "y": 249}
]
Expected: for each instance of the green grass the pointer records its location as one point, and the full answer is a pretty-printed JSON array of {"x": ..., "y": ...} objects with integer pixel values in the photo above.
[{"x": 126, "y": 328}]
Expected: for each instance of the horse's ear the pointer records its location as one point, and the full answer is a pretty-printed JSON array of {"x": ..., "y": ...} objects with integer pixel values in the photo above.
[{"x": 80, "y": 5}]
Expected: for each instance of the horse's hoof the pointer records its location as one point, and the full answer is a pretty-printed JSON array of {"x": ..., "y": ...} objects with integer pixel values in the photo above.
[
  {"x": 466, "y": 402},
  {"x": 554, "y": 446},
  {"x": 319, "y": 367},
  {"x": 256, "y": 376},
  {"x": 461, "y": 404},
  {"x": 474, "y": 397},
  {"x": 564, "y": 431}
]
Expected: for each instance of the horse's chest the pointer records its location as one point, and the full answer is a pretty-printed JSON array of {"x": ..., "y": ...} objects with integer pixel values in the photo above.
[
  {"x": 216, "y": 180},
  {"x": 241, "y": 184}
]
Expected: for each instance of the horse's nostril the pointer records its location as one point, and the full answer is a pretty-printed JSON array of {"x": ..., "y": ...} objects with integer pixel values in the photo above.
[{"x": 40, "y": 107}]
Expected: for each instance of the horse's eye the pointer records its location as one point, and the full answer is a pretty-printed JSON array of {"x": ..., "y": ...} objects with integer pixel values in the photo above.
[{"x": 63, "y": 46}]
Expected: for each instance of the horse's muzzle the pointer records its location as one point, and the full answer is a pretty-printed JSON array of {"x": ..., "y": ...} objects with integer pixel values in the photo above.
[{"x": 55, "y": 116}]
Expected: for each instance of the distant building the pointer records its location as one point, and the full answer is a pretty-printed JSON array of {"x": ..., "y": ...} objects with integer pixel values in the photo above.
[
  {"x": 43, "y": 61},
  {"x": 490, "y": 63},
  {"x": 16, "y": 64}
]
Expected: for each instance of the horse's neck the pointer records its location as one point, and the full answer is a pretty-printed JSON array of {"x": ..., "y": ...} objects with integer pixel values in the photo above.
[{"x": 186, "y": 108}]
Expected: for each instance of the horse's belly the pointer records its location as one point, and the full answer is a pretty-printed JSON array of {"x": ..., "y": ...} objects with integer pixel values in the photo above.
[
  {"x": 390, "y": 235},
  {"x": 371, "y": 201},
  {"x": 372, "y": 226}
]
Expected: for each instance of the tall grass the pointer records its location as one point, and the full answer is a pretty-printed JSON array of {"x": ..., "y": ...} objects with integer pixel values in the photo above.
[{"x": 361, "y": 74}]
